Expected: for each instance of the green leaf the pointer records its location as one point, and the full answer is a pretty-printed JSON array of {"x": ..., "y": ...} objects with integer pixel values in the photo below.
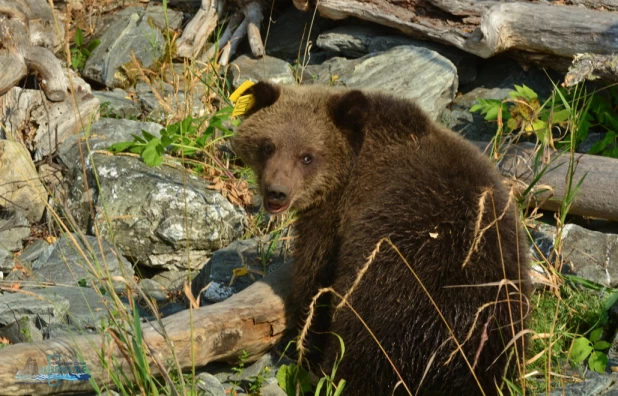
[
  {"x": 149, "y": 136},
  {"x": 611, "y": 300},
  {"x": 288, "y": 376},
  {"x": 138, "y": 138},
  {"x": 94, "y": 44},
  {"x": 79, "y": 37},
  {"x": 120, "y": 146},
  {"x": 153, "y": 153},
  {"x": 560, "y": 116},
  {"x": 598, "y": 362},
  {"x": 601, "y": 345},
  {"x": 581, "y": 349},
  {"x": 596, "y": 334},
  {"x": 527, "y": 93}
]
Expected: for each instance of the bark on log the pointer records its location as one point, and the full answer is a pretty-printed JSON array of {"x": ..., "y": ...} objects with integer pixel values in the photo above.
[
  {"x": 488, "y": 28},
  {"x": 597, "y": 196},
  {"x": 198, "y": 30},
  {"x": 252, "y": 321},
  {"x": 28, "y": 35},
  {"x": 592, "y": 67}
]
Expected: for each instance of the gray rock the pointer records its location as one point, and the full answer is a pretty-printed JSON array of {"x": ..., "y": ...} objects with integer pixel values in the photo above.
[
  {"x": 6, "y": 260},
  {"x": 266, "y": 362},
  {"x": 209, "y": 385},
  {"x": 591, "y": 255},
  {"x": 16, "y": 306},
  {"x": 288, "y": 34},
  {"x": 153, "y": 290},
  {"x": 146, "y": 206},
  {"x": 267, "y": 68},
  {"x": 14, "y": 228},
  {"x": 472, "y": 125},
  {"x": 405, "y": 71},
  {"x": 171, "y": 309},
  {"x": 101, "y": 135},
  {"x": 592, "y": 139},
  {"x": 350, "y": 40},
  {"x": 173, "y": 280},
  {"x": 20, "y": 188},
  {"x": 272, "y": 390},
  {"x": 595, "y": 384},
  {"x": 219, "y": 270},
  {"x": 117, "y": 103},
  {"x": 20, "y": 331},
  {"x": 62, "y": 263},
  {"x": 463, "y": 61},
  {"x": 87, "y": 308},
  {"x": 109, "y": 63},
  {"x": 57, "y": 330},
  {"x": 32, "y": 252}
]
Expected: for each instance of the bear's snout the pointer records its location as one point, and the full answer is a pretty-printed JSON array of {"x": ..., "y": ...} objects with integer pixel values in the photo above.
[{"x": 277, "y": 198}]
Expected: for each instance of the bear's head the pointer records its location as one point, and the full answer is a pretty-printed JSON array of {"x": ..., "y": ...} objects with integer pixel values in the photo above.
[{"x": 301, "y": 143}]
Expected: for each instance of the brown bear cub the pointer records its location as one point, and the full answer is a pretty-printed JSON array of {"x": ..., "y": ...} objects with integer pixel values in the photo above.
[{"x": 359, "y": 167}]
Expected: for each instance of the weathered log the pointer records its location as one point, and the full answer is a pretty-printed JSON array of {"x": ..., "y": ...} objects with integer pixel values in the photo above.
[
  {"x": 598, "y": 195},
  {"x": 489, "y": 27},
  {"x": 232, "y": 24},
  {"x": 30, "y": 117},
  {"x": 253, "y": 13},
  {"x": 592, "y": 67},
  {"x": 28, "y": 36},
  {"x": 198, "y": 30},
  {"x": 252, "y": 321}
]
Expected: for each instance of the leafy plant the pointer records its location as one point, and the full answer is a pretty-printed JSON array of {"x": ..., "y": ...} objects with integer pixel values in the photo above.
[
  {"x": 524, "y": 114},
  {"x": 292, "y": 375},
  {"x": 183, "y": 137},
  {"x": 591, "y": 348},
  {"x": 80, "y": 51}
]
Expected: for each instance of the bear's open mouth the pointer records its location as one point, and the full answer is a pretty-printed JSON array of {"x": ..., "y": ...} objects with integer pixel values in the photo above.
[{"x": 276, "y": 207}]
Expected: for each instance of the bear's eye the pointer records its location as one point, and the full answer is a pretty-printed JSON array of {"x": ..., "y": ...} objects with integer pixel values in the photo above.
[
  {"x": 306, "y": 159},
  {"x": 268, "y": 149}
]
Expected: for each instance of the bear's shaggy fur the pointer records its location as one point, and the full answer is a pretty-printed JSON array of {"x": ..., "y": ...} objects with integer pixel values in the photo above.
[{"x": 359, "y": 167}]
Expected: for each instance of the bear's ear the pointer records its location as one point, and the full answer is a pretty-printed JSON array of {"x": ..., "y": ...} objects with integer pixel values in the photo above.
[
  {"x": 264, "y": 93},
  {"x": 349, "y": 112}
]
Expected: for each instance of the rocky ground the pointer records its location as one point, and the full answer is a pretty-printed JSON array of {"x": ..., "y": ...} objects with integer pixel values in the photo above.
[{"x": 158, "y": 227}]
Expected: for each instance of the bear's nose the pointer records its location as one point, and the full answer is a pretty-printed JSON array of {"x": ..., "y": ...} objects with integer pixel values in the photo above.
[{"x": 277, "y": 192}]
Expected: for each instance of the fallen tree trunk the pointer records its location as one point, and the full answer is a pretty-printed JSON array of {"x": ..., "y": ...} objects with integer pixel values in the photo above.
[
  {"x": 252, "y": 321},
  {"x": 27, "y": 38},
  {"x": 486, "y": 28},
  {"x": 597, "y": 196}
]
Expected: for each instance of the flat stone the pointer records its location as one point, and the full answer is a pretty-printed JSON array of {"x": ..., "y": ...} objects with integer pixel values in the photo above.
[
  {"x": 210, "y": 385},
  {"x": 20, "y": 187},
  {"x": 350, "y": 40},
  {"x": 110, "y": 63},
  {"x": 87, "y": 308},
  {"x": 405, "y": 71},
  {"x": 266, "y": 68},
  {"x": 117, "y": 103},
  {"x": 62, "y": 263},
  {"x": 153, "y": 289},
  {"x": 16, "y": 306},
  {"x": 590, "y": 255}
]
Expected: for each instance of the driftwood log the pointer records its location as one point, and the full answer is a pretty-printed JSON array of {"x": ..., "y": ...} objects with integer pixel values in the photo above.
[
  {"x": 28, "y": 36},
  {"x": 486, "y": 28},
  {"x": 246, "y": 22},
  {"x": 252, "y": 321},
  {"x": 597, "y": 196},
  {"x": 592, "y": 67}
]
